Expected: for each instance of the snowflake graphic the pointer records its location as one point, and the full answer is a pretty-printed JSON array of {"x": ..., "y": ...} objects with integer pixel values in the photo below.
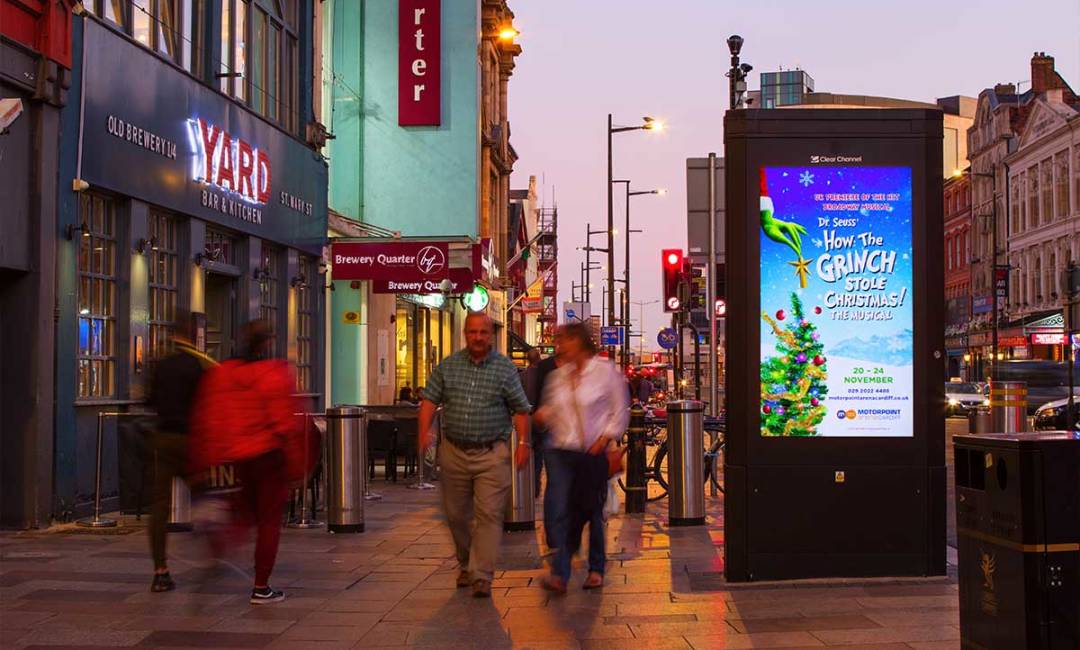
[{"x": 806, "y": 178}]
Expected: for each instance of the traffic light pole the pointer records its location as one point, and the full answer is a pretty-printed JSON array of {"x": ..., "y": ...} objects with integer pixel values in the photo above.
[{"x": 710, "y": 293}]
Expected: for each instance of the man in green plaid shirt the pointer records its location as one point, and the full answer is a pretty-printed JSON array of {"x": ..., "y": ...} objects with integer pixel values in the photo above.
[{"x": 483, "y": 400}]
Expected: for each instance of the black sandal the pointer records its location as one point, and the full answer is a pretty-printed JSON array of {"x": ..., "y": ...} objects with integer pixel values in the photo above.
[{"x": 162, "y": 582}]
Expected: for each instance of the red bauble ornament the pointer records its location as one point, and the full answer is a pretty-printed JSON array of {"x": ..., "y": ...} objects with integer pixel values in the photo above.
[
  {"x": 817, "y": 310},
  {"x": 766, "y": 409},
  {"x": 814, "y": 401},
  {"x": 819, "y": 360},
  {"x": 780, "y": 315}
]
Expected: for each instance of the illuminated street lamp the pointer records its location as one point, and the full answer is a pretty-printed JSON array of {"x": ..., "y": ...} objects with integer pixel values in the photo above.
[
  {"x": 626, "y": 266},
  {"x": 647, "y": 124}
]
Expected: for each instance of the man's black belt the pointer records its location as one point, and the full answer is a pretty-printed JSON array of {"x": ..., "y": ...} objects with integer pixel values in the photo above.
[{"x": 474, "y": 444}]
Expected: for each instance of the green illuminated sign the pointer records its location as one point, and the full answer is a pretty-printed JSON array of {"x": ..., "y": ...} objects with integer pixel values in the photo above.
[{"x": 477, "y": 299}]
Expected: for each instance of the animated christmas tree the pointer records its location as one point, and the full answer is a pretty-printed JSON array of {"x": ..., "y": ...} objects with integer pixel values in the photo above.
[{"x": 793, "y": 386}]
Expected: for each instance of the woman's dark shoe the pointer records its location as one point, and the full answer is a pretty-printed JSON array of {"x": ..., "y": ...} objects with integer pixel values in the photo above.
[{"x": 162, "y": 582}]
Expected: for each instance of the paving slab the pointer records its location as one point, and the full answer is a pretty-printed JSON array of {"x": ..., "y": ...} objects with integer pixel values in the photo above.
[{"x": 394, "y": 587}]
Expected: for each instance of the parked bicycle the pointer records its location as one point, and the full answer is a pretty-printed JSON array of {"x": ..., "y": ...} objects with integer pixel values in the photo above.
[{"x": 656, "y": 455}]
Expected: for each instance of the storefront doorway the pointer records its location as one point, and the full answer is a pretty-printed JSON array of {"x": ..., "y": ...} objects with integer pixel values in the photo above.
[{"x": 221, "y": 315}]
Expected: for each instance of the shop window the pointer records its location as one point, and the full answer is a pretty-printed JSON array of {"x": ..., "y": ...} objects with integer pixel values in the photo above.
[
  {"x": 220, "y": 247},
  {"x": 305, "y": 312},
  {"x": 163, "y": 254},
  {"x": 403, "y": 352},
  {"x": 96, "y": 356},
  {"x": 259, "y": 95},
  {"x": 267, "y": 275}
]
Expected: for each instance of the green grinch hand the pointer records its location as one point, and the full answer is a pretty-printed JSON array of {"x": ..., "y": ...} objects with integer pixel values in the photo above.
[{"x": 781, "y": 232}]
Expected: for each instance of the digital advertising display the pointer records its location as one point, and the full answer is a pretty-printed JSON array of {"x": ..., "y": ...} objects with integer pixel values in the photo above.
[{"x": 836, "y": 341}]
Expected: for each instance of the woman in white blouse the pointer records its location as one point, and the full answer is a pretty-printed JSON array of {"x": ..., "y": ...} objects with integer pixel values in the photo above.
[{"x": 586, "y": 409}]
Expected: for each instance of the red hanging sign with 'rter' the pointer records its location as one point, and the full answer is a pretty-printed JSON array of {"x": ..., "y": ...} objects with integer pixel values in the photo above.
[{"x": 418, "y": 62}]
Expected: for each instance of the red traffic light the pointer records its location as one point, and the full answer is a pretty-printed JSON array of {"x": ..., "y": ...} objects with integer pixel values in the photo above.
[{"x": 671, "y": 267}]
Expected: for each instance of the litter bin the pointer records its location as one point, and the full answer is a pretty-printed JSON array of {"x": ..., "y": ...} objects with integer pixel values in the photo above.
[
  {"x": 1018, "y": 540},
  {"x": 346, "y": 465},
  {"x": 1008, "y": 406},
  {"x": 979, "y": 420},
  {"x": 521, "y": 507},
  {"x": 686, "y": 462}
]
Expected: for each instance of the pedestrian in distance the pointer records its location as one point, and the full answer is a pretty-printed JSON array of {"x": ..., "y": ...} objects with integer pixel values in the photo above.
[
  {"x": 586, "y": 410},
  {"x": 482, "y": 400},
  {"x": 246, "y": 415},
  {"x": 172, "y": 391}
]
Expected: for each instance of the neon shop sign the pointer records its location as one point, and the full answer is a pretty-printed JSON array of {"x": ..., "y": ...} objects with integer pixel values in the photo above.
[{"x": 228, "y": 163}]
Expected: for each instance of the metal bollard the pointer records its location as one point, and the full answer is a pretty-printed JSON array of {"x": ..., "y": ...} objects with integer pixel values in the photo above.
[
  {"x": 1008, "y": 406},
  {"x": 686, "y": 463},
  {"x": 979, "y": 420},
  {"x": 97, "y": 521},
  {"x": 636, "y": 486},
  {"x": 421, "y": 481},
  {"x": 521, "y": 506},
  {"x": 179, "y": 507},
  {"x": 346, "y": 464},
  {"x": 306, "y": 520}
]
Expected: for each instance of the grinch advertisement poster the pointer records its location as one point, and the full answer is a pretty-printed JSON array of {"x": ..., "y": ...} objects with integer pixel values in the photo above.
[{"x": 836, "y": 303}]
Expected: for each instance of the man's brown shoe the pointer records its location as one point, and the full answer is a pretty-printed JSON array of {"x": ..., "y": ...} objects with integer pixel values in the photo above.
[
  {"x": 481, "y": 589},
  {"x": 464, "y": 579}
]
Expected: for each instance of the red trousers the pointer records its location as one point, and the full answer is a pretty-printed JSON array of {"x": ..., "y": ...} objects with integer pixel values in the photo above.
[{"x": 263, "y": 496}]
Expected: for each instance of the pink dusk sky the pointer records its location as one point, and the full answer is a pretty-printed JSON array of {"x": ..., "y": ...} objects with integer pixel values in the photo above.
[{"x": 585, "y": 58}]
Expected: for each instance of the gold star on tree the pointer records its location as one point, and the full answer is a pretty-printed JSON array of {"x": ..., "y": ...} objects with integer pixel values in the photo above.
[{"x": 802, "y": 269}]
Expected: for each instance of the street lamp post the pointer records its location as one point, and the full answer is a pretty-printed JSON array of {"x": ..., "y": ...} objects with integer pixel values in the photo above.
[
  {"x": 626, "y": 262},
  {"x": 649, "y": 124},
  {"x": 994, "y": 313}
]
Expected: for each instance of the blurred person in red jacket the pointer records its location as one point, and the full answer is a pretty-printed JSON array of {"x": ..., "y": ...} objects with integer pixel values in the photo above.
[{"x": 246, "y": 415}]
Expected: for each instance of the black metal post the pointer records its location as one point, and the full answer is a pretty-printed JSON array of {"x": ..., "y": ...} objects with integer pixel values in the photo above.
[
  {"x": 1070, "y": 357},
  {"x": 636, "y": 462},
  {"x": 610, "y": 235}
]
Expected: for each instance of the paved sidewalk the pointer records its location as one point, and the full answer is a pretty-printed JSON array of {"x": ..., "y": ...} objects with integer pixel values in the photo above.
[{"x": 393, "y": 586}]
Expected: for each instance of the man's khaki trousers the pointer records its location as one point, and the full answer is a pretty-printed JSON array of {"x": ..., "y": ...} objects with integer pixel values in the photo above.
[{"x": 475, "y": 487}]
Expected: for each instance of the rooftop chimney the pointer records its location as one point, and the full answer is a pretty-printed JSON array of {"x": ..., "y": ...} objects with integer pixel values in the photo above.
[
  {"x": 1005, "y": 89},
  {"x": 1043, "y": 77}
]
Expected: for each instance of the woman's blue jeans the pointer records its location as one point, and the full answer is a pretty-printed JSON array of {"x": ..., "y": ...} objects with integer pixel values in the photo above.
[{"x": 576, "y": 491}]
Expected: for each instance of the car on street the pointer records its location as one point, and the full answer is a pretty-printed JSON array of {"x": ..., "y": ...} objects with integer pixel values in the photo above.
[
  {"x": 963, "y": 397},
  {"x": 1051, "y": 416}
]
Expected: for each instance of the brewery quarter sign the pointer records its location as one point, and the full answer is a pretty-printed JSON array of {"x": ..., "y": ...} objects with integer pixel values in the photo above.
[
  {"x": 419, "y": 73},
  {"x": 396, "y": 262}
]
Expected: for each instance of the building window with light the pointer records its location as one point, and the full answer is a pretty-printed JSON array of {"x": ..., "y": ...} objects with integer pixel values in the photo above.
[
  {"x": 169, "y": 27},
  {"x": 305, "y": 312},
  {"x": 267, "y": 277},
  {"x": 163, "y": 253},
  {"x": 96, "y": 356},
  {"x": 260, "y": 57}
]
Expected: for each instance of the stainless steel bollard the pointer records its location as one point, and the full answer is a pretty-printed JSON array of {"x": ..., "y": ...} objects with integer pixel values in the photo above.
[
  {"x": 521, "y": 506},
  {"x": 97, "y": 521},
  {"x": 179, "y": 507},
  {"x": 979, "y": 420},
  {"x": 346, "y": 469},
  {"x": 307, "y": 519},
  {"x": 686, "y": 463},
  {"x": 1008, "y": 406}
]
